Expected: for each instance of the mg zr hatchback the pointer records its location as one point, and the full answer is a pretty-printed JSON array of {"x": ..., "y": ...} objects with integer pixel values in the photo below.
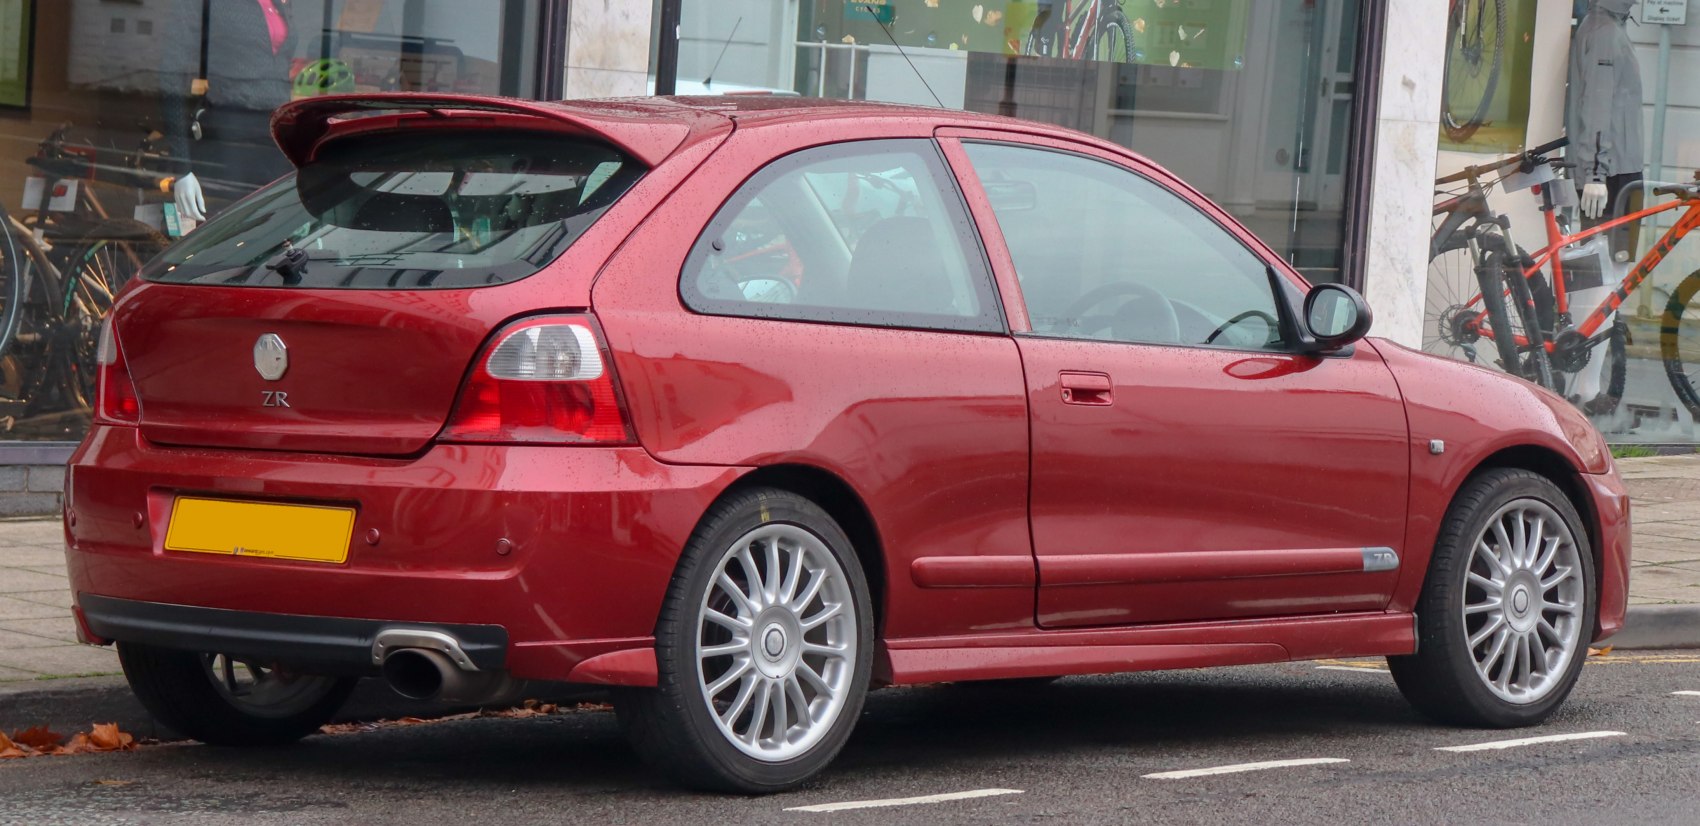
[{"x": 745, "y": 406}]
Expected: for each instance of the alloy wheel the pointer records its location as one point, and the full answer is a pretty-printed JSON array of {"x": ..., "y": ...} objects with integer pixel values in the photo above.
[
  {"x": 776, "y": 642},
  {"x": 262, "y": 690},
  {"x": 1523, "y": 601}
]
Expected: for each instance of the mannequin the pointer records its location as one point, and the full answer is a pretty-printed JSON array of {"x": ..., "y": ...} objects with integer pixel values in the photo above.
[
  {"x": 1604, "y": 124},
  {"x": 246, "y": 50},
  {"x": 1604, "y": 121}
]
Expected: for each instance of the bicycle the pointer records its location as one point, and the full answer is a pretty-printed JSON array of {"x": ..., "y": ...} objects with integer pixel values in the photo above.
[
  {"x": 1469, "y": 298},
  {"x": 1087, "y": 30},
  {"x": 1551, "y": 343},
  {"x": 62, "y": 269},
  {"x": 1475, "y": 45}
]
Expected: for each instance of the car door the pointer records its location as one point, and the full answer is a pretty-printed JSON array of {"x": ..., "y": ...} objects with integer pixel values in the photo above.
[{"x": 1187, "y": 463}]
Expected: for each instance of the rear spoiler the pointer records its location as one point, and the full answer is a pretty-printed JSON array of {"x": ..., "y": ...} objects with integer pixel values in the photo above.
[{"x": 642, "y": 130}]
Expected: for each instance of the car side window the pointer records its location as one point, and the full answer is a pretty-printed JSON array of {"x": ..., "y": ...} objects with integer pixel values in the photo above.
[
  {"x": 1107, "y": 254},
  {"x": 867, "y": 232}
]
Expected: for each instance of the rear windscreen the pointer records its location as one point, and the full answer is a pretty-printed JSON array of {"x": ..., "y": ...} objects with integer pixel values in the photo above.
[{"x": 417, "y": 210}]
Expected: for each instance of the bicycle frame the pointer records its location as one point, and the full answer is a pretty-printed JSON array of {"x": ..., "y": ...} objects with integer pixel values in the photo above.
[
  {"x": 1557, "y": 240},
  {"x": 1079, "y": 25}
]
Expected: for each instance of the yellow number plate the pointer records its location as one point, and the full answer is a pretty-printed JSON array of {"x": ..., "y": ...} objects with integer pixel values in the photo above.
[{"x": 311, "y": 533}]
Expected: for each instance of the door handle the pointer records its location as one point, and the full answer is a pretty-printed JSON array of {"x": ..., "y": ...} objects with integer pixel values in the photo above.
[{"x": 1092, "y": 389}]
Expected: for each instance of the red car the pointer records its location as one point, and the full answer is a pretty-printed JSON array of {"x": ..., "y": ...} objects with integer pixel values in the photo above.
[{"x": 743, "y": 406}]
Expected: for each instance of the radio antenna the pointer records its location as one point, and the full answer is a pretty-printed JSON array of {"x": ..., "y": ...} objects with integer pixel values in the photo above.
[
  {"x": 709, "y": 79},
  {"x": 888, "y": 36}
]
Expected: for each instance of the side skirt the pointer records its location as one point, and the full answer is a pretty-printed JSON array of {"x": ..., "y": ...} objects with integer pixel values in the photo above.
[{"x": 1040, "y": 653}]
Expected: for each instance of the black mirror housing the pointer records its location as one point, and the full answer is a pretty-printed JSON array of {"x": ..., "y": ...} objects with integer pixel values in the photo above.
[{"x": 1334, "y": 316}]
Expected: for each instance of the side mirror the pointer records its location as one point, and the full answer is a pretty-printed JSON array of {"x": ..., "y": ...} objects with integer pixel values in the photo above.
[{"x": 1334, "y": 316}]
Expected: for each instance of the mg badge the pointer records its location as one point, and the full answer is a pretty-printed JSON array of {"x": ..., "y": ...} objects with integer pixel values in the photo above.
[{"x": 271, "y": 358}]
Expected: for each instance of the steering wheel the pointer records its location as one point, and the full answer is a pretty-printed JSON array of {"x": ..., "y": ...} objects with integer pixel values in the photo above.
[
  {"x": 1152, "y": 318},
  {"x": 1226, "y": 325}
]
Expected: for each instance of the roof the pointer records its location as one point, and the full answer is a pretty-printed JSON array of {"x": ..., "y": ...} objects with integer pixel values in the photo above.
[{"x": 649, "y": 128}]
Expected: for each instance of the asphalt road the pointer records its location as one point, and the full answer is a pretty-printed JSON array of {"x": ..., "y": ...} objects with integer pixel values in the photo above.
[{"x": 1078, "y": 751}]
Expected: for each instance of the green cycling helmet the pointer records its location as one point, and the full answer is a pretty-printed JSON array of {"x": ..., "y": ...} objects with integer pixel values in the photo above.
[{"x": 324, "y": 77}]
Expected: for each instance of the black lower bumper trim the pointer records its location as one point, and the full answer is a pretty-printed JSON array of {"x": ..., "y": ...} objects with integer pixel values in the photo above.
[{"x": 339, "y": 644}]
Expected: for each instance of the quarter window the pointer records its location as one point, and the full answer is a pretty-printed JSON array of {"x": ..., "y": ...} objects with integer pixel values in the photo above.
[
  {"x": 870, "y": 232},
  {"x": 1104, "y": 253}
]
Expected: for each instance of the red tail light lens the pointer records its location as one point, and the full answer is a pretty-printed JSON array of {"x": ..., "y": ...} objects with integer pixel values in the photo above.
[
  {"x": 115, "y": 394},
  {"x": 544, "y": 380}
]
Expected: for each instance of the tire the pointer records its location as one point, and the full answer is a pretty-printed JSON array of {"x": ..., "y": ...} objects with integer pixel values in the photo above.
[
  {"x": 1679, "y": 344},
  {"x": 1456, "y": 130},
  {"x": 11, "y": 282},
  {"x": 700, "y": 724},
  {"x": 1490, "y": 278},
  {"x": 1446, "y": 679},
  {"x": 1449, "y": 290},
  {"x": 1535, "y": 366},
  {"x": 180, "y": 690},
  {"x": 1113, "y": 27}
]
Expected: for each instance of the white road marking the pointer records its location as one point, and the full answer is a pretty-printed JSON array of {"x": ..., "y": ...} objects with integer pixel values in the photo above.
[
  {"x": 1361, "y": 669},
  {"x": 1244, "y": 767},
  {"x": 1531, "y": 741},
  {"x": 902, "y": 801},
  {"x": 1686, "y": 693}
]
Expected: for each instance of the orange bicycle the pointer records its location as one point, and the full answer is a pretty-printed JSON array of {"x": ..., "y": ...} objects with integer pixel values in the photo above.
[{"x": 1536, "y": 333}]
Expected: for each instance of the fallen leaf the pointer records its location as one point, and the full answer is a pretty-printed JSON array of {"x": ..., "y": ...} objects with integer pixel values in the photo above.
[
  {"x": 37, "y": 737},
  {"x": 113, "y": 782},
  {"x": 108, "y": 737},
  {"x": 79, "y": 744},
  {"x": 8, "y": 749}
]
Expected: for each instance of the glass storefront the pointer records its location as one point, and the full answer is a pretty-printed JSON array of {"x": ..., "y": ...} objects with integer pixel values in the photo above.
[
  {"x": 1568, "y": 265},
  {"x": 1252, "y": 102},
  {"x": 124, "y": 122}
]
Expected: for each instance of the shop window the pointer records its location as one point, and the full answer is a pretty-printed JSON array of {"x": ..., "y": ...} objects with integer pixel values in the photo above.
[
  {"x": 1611, "y": 320},
  {"x": 1250, "y": 101},
  {"x": 128, "y": 122}
]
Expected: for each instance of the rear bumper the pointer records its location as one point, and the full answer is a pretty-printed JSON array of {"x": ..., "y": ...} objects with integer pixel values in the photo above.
[
  {"x": 565, "y": 551},
  {"x": 1611, "y": 504},
  {"x": 335, "y": 645}
]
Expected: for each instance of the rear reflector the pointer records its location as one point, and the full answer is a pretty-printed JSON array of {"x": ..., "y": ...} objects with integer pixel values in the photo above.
[
  {"x": 115, "y": 393},
  {"x": 545, "y": 380}
]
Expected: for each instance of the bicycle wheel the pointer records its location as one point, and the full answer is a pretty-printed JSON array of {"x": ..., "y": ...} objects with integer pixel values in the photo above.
[
  {"x": 1474, "y": 47},
  {"x": 1679, "y": 344},
  {"x": 13, "y": 266},
  {"x": 1114, "y": 41},
  {"x": 97, "y": 267},
  {"x": 1490, "y": 279},
  {"x": 1450, "y": 326}
]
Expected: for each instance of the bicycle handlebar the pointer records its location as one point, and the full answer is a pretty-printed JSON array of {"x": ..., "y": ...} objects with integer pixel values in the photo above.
[
  {"x": 1684, "y": 191},
  {"x": 1528, "y": 155}
]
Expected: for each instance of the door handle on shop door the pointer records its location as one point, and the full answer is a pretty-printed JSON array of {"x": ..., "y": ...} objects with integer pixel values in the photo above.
[{"x": 1093, "y": 389}]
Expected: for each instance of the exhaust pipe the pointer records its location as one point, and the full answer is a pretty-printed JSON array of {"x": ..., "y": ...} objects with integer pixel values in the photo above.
[
  {"x": 418, "y": 673},
  {"x": 430, "y": 665}
]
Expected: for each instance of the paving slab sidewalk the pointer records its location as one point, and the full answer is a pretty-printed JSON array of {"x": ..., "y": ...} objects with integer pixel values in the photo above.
[{"x": 38, "y": 640}]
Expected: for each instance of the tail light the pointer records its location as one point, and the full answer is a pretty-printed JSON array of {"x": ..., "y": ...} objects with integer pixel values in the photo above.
[
  {"x": 115, "y": 394},
  {"x": 543, "y": 380}
]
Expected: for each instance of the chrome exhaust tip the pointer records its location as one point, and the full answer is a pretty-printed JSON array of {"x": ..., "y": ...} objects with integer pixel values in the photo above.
[
  {"x": 417, "y": 673},
  {"x": 423, "y": 664}
]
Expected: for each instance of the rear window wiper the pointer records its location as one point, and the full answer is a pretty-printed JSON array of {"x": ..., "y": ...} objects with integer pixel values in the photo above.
[{"x": 291, "y": 264}]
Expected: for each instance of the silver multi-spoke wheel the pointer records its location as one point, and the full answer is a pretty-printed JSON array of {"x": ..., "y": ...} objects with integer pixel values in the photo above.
[
  {"x": 776, "y": 642},
  {"x": 264, "y": 690},
  {"x": 1523, "y": 601}
]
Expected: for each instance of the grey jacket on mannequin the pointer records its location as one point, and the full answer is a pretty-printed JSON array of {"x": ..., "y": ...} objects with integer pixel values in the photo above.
[{"x": 1604, "y": 121}]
